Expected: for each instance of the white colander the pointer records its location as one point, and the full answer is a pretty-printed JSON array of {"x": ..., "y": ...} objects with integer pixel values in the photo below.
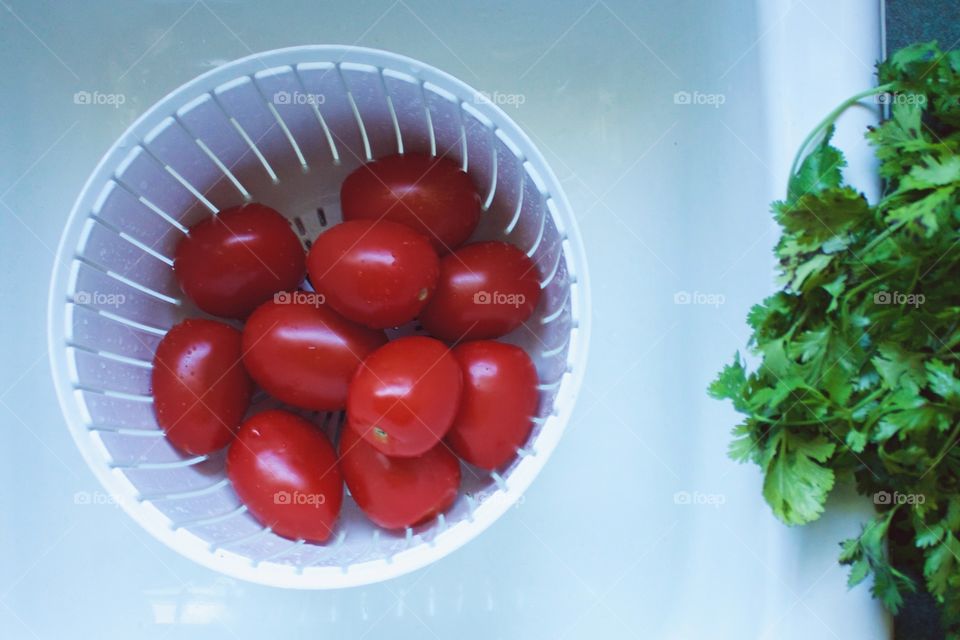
[{"x": 284, "y": 128}]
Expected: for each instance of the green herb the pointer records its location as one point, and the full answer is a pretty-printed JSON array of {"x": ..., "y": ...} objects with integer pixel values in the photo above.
[{"x": 858, "y": 374}]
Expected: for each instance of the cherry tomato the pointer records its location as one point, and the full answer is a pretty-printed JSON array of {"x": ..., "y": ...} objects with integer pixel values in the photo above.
[
  {"x": 285, "y": 471},
  {"x": 304, "y": 353},
  {"x": 499, "y": 398},
  {"x": 486, "y": 290},
  {"x": 379, "y": 274},
  {"x": 230, "y": 263},
  {"x": 431, "y": 195},
  {"x": 398, "y": 492},
  {"x": 200, "y": 389},
  {"x": 404, "y": 397}
]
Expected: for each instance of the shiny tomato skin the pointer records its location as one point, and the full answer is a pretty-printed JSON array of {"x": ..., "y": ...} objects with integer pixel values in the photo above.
[
  {"x": 486, "y": 290},
  {"x": 499, "y": 399},
  {"x": 396, "y": 493},
  {"x": 404, "y": 397},
  {"x": 305, "y": 354},
  {"x": 429, "y": 194},
  {"x": 285, "y": 471},
  {"x": 377, "y": 273},
  {"x": 232, "y": 262},
  {"x": 200, "y": 388}
]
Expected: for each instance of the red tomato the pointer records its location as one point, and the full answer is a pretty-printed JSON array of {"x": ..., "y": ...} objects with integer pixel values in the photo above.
[
  {"x": 305, "y": 354},
  {"x": 230, "y": 263},
  {"x": 398, "y": 492},
  {"x": 431, "y": 195},
  {"x": 405, "y": 395},
  {"x": 499, "y": 398},
  {"x": 285, "y": 471},
  {"x": 379, "y": 274},
  {"x": 200, "y": 389},
  {"x": 486, "y": 290}
]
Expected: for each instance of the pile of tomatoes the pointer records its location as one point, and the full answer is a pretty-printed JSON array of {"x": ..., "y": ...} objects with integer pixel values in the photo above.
[{"x": 308, "y": 329}]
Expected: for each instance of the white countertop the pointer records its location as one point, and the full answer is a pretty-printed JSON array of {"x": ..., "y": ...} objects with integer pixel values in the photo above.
[{"x": 670, "y": 197}]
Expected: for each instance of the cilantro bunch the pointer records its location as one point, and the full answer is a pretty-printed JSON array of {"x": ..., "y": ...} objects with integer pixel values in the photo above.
[{"x": 858, "y": 375}]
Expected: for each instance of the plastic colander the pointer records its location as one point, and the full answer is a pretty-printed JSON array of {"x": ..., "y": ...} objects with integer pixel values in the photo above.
[{"x": 284, "y": 128}]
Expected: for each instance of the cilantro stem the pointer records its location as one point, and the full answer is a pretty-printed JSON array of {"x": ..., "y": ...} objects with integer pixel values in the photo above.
[{"x": 832, "y": 117}]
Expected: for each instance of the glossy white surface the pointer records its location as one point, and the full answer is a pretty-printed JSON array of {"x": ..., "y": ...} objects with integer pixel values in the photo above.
[{"x": 670, "y": 198}]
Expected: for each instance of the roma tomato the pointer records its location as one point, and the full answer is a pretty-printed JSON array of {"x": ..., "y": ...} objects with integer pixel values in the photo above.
[
  {"x": 499, "y": 399},
  {"x": 405, "y": 395},
  {"x": 429, "y": 194},
  {"x": 398, "y": 492},
  {"x": 303, "y": 353},
  {"x": 377, "y": 273},
  {"x": 230, "y": 263},
  {"x": 285, "y": 471},
  {"x": 486, "y": 290},
  {"x": 200, "y": 389}
]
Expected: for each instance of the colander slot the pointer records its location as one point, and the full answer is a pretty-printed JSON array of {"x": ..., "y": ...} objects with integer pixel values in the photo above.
[
  {"x": 552, "y": 386},
  {"x": 127, "y": 281},
  {"x": 366, "y": 88},
  {"x": 157, "y": 210},
  {"x": 173, "y": 146},
  {"x": 409, "y": 109},
  {"x": 296, "y": 109},
  {"x": 157, "y": 466},
  {"x": 224, "y": 169},
  {"x": 242, "y": 540},
  {"x": 209, "y": 520},
  {"x": 290, "y": 138},
  {"x": 249, "y": 113},
  {"x": 205, "y": 119},
  {"x": 182, "y": 495},
  {"x": 114, "y": 393},
  {"x": 122, "y": 211},
  {"x": 256, "y": 151},
  {"x": 96, "y": 290},
  {"x": 112, "y": 253},
  {"x": 553, "y": 315},
  {"x": 478, "y": 135},
  {"x": 287, "y": 547},
  {"x": 553, "y": 271},
  {"x": 516, "y": 214},
  {"x": 323, "y": 78},
  {"x": 133, "y": 324},
  {"x": 144, "y": 176},
  {"x": 431, "y": 130},
  {"x": 396, "y": 124},
  {"x": 183, "y": 478},
  {"x": 488, "y": 201},
  {"x": 446, "y": 122},
  {"x": 139, "y": 451},
  {"x": 116, "y": 413},
  {"x": 115, "y": 357},
  {"x": 122, "y": 431},
  {"x": 88, "y": 329}
]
